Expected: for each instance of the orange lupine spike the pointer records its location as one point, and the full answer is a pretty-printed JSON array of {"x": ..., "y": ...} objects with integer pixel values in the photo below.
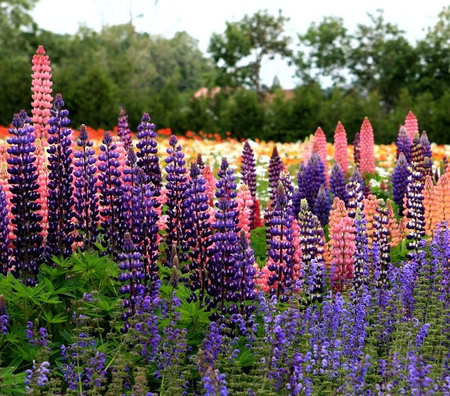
[
  {"x": 428, "y": 193},
  {"x": 393, "y": 227},
  {"x": 370, "y": 209}
]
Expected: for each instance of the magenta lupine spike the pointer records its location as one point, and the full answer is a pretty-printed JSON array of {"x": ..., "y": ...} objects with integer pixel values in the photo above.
[
  {"x": 411, "y": 125},
  {"x": 198, "y": 230},
  {"x": 404, "y": 144},
  {"x": 245, "y": 205},
  {"x": 320, "y": 145},
  {"x": 381, "y": 236},
  {"x": 27, "y": 242},
  {"x": 248, "y": 171},
  {"x": 86, "y": 191},
  {"x": 340, "y": 147},
  {"x": 357, "y": 150},
  {"x": 176, "y": 187},
  {"x": 281, "y": 249},
  {"x": 367, "y": 161},
  {"x": 342, "y": 253},
  {"x": 123, "y": 131},
  {"x": 297, "y": 267},
  {"x": 60, "y": 186},
  {"x": 41, "y": 87}
]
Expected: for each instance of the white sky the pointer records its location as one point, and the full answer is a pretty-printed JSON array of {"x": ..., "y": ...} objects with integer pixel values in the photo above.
[{"x": 201, "y": 18}]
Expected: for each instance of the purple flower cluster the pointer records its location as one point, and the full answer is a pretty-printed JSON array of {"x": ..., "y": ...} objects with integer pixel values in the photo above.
[
  {"x": 5, "y": 250},
  {"x": 337, "y": 183},
  {"x": 4, "y": 317},
  {"x": 123, "y": 130},
  {"x": 248, "y": 171}
]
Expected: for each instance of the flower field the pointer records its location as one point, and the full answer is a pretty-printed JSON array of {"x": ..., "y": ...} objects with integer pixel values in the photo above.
[{"x": 144, "y": 263}]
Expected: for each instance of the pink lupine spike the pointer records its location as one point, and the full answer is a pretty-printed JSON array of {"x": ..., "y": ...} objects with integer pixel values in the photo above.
[
  {"x": 428, "y": 193},
  {"x": 411, "y": 125},
  {"x": 42, "y": 98},
  {"x": 320, "y": 145},
  {"x": 245, "y": 202},
  {"x": 367, "y": 160},
  {"x": 297, "y": 267},
  {"x": 210, "y": 184},
  {"x": 307, "y": 147},
  {"x": 340, "y": 147},
  {"x": 42, "y": 181}
]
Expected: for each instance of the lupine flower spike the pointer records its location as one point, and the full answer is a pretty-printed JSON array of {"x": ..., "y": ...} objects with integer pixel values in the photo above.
[
  {"x": 411, "y": 125},
  {"x": 340, "y": 147},
  {"x": 320, "y": 145},
  {"x": 367, "y": 161}
]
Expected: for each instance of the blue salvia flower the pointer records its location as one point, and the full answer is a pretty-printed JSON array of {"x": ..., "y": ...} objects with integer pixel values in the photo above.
[
  {"x": 400, "y": 180},
  {"x": 248, "y": 172},
  {"x": 37, "y": 375},
  {"x": 281, "y": 249},
  {"x": 322, "y": 206},
  {"x": 86, "y": 197},
  {"x": 144, "y": 223},
  {"x": 147, "y": 151},
  {"x": 110, "y": 194},
  {"x": 198, "y": 231},
  {"x": 422, "y": 334},
  {"x": 60, "y": 182},
  {"x": 123, "y": 130},
  {"x": 214, "y": 383},
  {"x": 337, "y": 183},
  {"x": 223, "y": 284},
  {"x": 27, "y": 245},
  {"x": 176, "y": 187},
  {"x": 4, "y": 317},
  {"x": 403, "y": 144},
  {"x": 5, "y": 250},
  {"x": 418, "y": 376},
  {"x": 132, "y": 276}
]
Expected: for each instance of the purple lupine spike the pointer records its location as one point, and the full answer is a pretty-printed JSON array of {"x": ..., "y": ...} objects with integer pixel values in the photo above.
[
  {"x": 426, "y": 146},
  {"x": 281, "y": 248},
  {"x": 286, "y": 181},
  {"x": 144, "y": 219},
  {"x": 86, "y": 197},
  {"x": 360, "y": 266},
  {"x": 246, "y": 259},
  {"x": 322, "y": 206},
  {"x": 27, "y": 245},
  {"x": 147, "y": 151},
  {"x": 400, "y": 176},
  {"x": 60, "y": 186},
  {"x": 200, "y": 162},
  {"x": 4, "y": 317},
  {"x": 123, "y": 130},
  {"x": 129, "y": 171},
  {"x": 416, "y": 211},
  {"x": 5, "y": 250},
  {"x": 381, "y": 235},
  {"x": 337, "y": 183},
  {"x": 403, "y": 144},
  {"x": 110, "y": 195},
  {"x": 275, "y": 168},
  {"x": 132, "y": 276},
  {"x": 417, "y": 154},
  {"x": 198, "y": 231},
  {"x": 355, "y": 193},
  {"x": 176, "y": 186},
  {"x": 357, "y": 150},
  {"x": 248, "y": 171},
  {"x": 314, "y": 177},
  {"x": 223, "y": 283}
]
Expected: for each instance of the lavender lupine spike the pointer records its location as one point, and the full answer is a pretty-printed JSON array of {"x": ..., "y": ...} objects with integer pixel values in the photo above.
[
  {"x": 416, "y": 211},
  {"x": 132, "y": 276},
  {"x": 176, "y": 187},
  {"x": 60, "y": 182},
  {"x": 337, "y": 183},
  {"x": 123, "y": 130},
  {"x": 381, "y": 238},
  {"x": 400, "y": 176},
  {"x": 198, "y": 231},
  {"x": 144, "y": 224},
  {"x": 110, "y": 194},
  {"x": 223, "y": 284},
  {"x": 275, "y": 168},
  {"x": 246, "y": 259},
  {"x": 355, "y": 189},
  {"x": 360, "y": 266},
  {"x": 281, "y": 248},
  {"x": 314, "y": 177},
  {"x": 27, "y": 245},
  {"x": 403, "y": 144},
  {"x": 147, "y": 151},
  {"x": 248, "y": 171},
  {"x": 322, "y": 206},
  {"x": 5, "y": 250},
  {"x": 86, "y": 197}
]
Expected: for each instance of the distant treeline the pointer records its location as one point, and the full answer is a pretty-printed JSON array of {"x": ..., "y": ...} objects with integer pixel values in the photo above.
[{"x": 374, "y": 71}]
